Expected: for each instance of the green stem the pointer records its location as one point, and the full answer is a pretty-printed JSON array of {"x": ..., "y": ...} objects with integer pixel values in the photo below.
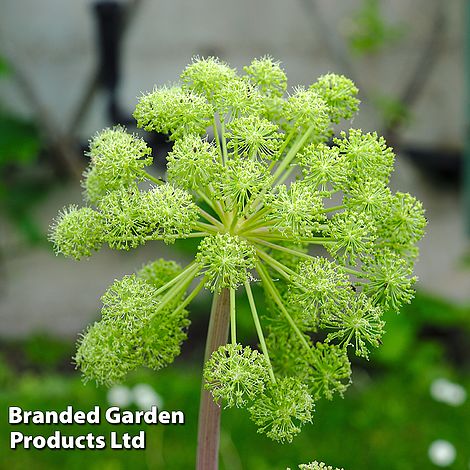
[
  {"x": 260, "y": 224},
  {"x": 280, "y": 237},
  {"x": 254, "y": 220},
  {"x": 155, "y": 238},
  {"x": 234, "y": 220},
  {"x": 269, "y": 285},
  {"x": 206, "y": 227},
  {"x": 285, "y": 144},
  {"x": 233, "y": 322},
  {"x": 206, "y": 199},
  {"x": 291, "y": 251},
  {"x": 189, "y": 271},
  {"x": 152, "y": 178},
  {"x": 223, "y": 139},
  {"x": 291, "y": 134},
  {"x": 217, "y": 140},
  {"x": 259, "y": 330},
  {"x": 209, "y": 218},
  {"x": 352, "y": 271},
  {"x": 279, "y": 267},
  {"x": 292, "y": 153},
  {"x": 189, "y": 298},
  {"x": 334, "y": 208},
  {"x": 285, "y": 176},
  {"x": 209, "y": 412},
  {"x": 218, "y": 208},
  {"x": 173, "y": 294},
  {"x": 196, "y": 235}
]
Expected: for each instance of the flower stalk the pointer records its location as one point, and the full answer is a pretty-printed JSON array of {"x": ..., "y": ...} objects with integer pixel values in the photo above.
[{"x": 209, "y": 411}]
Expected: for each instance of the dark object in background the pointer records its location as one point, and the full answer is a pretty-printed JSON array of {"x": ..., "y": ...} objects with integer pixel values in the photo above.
[
  {"x": 443, "y": 165},
  {"x": 110, "y": 18}
]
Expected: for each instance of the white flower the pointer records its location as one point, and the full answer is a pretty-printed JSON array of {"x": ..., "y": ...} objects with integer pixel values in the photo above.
[
  {"x": 119, "y": 395},
  {"x": 442, "y": 453},
  {"x": 448, "y": 392},
  {"x": 145, "y": 397}
]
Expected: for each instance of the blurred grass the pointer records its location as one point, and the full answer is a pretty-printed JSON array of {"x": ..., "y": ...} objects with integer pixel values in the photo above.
[{"x": 387, "y": 419}]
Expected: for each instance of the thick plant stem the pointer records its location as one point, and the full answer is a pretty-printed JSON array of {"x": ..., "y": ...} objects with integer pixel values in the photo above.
[{"x": 209, "y": 412}]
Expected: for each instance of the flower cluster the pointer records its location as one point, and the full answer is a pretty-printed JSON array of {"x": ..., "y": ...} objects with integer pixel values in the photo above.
[
  {"x": 139, "y": 326},
  {"x": 280, "y": 201},
  {"x": 316, "y": 466}
]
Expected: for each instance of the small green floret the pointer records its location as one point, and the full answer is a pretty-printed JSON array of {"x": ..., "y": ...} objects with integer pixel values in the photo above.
[
  {"x": 352, "y": 236},
  {"x": 236, "y": 375},
  {"x": 283, "y": 409},
  {"x": 128, "y": 302},
  {"x": 207, "y": 77},
  {"x": 117, "y": 160},
  {"x": 330, "y": 371},
  {"x": 243, "y": 182},
  {"x": 226, "y": 261},
  {"x": 404, "y": 223},
  {"x": 131, "y": 218},
  {"x": 173, "y": 111},
  {"x": 367, "y": 156},
  {"x": 268, "y": 75},
  {"x": 136, "y": 329},
  {"x": 339, "y": 93},
  {"x": 254, "y": 137},
  {"x": 390, "y": 280},
  {"x": 105, "y": 355},
  {"x": 297, "y": 211},
  {"x": 359, "y": 322},
  {"x": 76, "y": 233},
  {"x": 317, "y": 466},
  {"x": 169, "y": 212},
  {"x": 159, "y": 272},
  {"x": 322, "y": 167},
  {"x": 306, "y": 110},
  {"x": 369, "y": 198},
  {"x": 192, "y": 163},
  {"x": 320, "y": 285}
]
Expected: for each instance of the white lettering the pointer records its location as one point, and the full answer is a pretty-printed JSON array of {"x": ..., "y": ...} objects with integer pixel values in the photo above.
[
  {"x": 14, "y": 415},
  {"x": 112, "y": 415},
  {"x": 15, "y": 438}
]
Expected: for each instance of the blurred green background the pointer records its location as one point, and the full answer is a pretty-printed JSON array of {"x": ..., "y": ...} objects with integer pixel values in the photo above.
[{"x": 60, "y": 82}]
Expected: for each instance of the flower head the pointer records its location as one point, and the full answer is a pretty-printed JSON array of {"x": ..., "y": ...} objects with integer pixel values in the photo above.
[
  {"x": 322, "y": 167},
  {"x": 236, "y": 375},
  {"x": 268, "y": 75},
  {"x": 317, "y": 466},
  {"x": 306, "y": 109},
  {"x": 390, "y": 280},
  {"x": 319, "y": 286},
  {"x": 283, "y": 409},
  {"x": 367, "y": 155},
  {"x": 339, "y": 93},
  {"x": 244, "y": 181},
  {"x": 273, "y": 201},
  {"x": 192, "y": 163},
  {"x": 173, "y": 111},
  {"x": 117, "y": 160},
  {"x": 76, "y": 233},
  {"x": 226, "y": 261},
  {"x": 358, "y": 322},
  {"x": 297, "y": 211},
  {"x": 253, "y": 136}
]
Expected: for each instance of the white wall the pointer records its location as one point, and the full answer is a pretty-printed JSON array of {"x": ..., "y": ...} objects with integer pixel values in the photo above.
[{"x": 53, "y": 41}]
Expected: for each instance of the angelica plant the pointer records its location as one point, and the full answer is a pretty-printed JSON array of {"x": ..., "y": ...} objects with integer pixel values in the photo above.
[{"x": 276, "y": 202}]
